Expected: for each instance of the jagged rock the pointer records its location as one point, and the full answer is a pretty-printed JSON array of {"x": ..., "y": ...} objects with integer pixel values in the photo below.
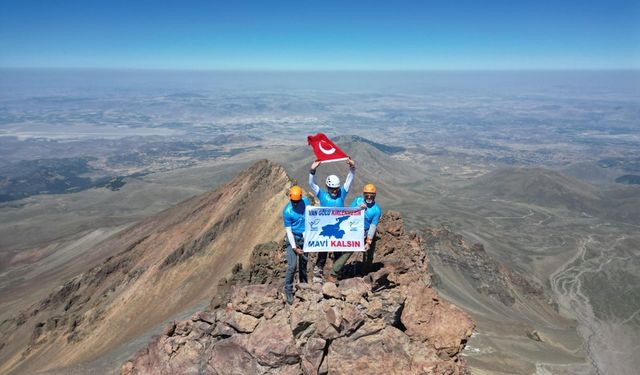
[
  {"x": 229, "y": 357},
  {"x": 327, "y": 319},
  {"x": 384, "y": 352},
  {"x": 427, "y": 318},
  {"x": 222, "y": 330},
  {"x": 272, "y": 343},
  {"x": 330, "y": 290},
  {"x": 352, "y": 318},
  {"x": 393, "y": 224},
  {"x": 267, "y": 264},
  {"x": 204, "y": 316},
  {"x": 303, "y": 317},
  {"x": 309, "y": 292},
  {"x": 370, "y": 327},
  {"x": 333, "y": 315},
  {"x": 312, "y": 355},
  {"x": 240, "y": 322},
  {"x": 534, "y": 335},
  {"x": 389, "y": 321},
  {"x": 354, "y": 289},
  {"x": 183, "y": 328},
  {"x": 387, "y": 306},
  {"x": 255, "y": 300}
]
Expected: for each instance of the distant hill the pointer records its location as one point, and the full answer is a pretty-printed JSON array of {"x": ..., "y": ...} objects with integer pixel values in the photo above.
[
  {"x": 629, "y": 179},
  {"x": 629, "y": 164},
  {"x": 539, "y": 186},
  {"x": 388, "y": 149},
  {"x": 162, "y": 266},
  {"x": 591, "y": 172},
  {"x": 552, "y": 189}
]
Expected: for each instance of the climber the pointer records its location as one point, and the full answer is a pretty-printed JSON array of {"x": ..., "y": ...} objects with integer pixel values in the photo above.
[
  {"x": 372, "y": 214},
  {"x": 293, "y": 216},
  {"x": 367, "y": 202},
  {"x": 334, "y": 197}
]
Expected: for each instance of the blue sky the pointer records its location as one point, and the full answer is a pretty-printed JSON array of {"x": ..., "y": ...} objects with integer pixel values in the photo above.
[{"x": 321, "y": 35}]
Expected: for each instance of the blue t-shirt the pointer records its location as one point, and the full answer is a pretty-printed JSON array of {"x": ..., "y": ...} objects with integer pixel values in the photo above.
[
  {"x": 326, "y": 200},
  {"x": 294, "y": 216},
  {"x": 371, "y": 214}
]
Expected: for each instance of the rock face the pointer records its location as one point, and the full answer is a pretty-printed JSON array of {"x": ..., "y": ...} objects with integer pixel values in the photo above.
[{"x": 387, "y": 322}]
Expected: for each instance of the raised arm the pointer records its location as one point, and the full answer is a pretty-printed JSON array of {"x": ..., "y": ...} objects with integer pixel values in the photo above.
[
  {"x": 312, "y": 178},
  {"x": 350, "y": 175}
]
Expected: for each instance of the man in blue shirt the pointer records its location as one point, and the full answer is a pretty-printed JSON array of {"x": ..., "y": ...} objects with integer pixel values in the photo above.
[
  {"x": 333, "y": 197},
  {"x": 367, "y": 202},
  {"x": 293, "y": 216}
]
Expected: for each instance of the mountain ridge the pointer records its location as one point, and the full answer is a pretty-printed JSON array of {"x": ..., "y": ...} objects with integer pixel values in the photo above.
[{"x": 178, "y": 254}]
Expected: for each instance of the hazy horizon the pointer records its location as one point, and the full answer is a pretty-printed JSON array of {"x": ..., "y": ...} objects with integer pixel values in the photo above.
[{"x": 625, "y": 81}]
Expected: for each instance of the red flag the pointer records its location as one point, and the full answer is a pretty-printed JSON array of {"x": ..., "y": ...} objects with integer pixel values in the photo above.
[{"x": 324, "y": 149}]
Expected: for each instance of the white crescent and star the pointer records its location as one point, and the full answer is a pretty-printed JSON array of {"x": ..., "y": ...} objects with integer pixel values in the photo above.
[{"x": 326, "y": 151}]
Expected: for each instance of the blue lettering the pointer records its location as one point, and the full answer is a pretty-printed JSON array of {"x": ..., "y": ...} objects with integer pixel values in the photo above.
[{"x": 318, "y": 243}]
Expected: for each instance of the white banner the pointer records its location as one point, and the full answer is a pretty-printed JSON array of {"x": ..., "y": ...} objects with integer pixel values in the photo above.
[{"x": 333, "y": 229}]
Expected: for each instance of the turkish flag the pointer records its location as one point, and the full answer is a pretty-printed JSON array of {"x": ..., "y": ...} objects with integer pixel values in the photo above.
[{"x": 324, "y": 149}]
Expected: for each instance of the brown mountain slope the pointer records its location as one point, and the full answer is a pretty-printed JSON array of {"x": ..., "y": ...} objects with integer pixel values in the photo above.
[
  {"x": 539, "y": 186},
  {"x": 164, "y": 265},
  {"x": 552, "y": 189}
]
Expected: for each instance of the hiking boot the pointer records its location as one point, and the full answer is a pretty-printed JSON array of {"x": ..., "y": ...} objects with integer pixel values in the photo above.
[
  {"x": 331, "y": 278},
  {"x": 317, "y": 271},
  {"x": 317, "y": 275},
  {"x": 289, "y": 298}
]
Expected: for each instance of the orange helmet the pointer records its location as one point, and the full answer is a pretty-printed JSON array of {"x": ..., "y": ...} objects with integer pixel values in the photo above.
[
  {"x": 295, "y": 193},
  {"x": 369, "y": 188}
]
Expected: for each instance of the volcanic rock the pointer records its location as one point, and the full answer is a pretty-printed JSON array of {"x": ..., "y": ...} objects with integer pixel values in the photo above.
[{"x": 389, "y": 321}]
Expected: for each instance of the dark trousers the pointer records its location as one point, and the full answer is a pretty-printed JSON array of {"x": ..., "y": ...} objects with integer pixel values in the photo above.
[
  {"x": 321, "y": 260},
  {"x": 367, "y": 257},
  {"x": 340, "y": 259}
]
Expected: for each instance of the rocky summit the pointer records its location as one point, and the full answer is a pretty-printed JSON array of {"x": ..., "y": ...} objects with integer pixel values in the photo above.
[{"x": 389, "y": 321}]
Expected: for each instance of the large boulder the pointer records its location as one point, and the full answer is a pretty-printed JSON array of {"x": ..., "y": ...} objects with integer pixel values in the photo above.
[{"x": 428, "y": 318}]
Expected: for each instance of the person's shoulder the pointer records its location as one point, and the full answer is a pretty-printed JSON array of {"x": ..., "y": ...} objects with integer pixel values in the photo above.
[
  {"x": 286, "y": 212},
  {"x": 306, "y": 201}
]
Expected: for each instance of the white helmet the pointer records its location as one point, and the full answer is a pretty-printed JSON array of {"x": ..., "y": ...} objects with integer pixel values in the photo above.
[{"x": 333, "y": 181}]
